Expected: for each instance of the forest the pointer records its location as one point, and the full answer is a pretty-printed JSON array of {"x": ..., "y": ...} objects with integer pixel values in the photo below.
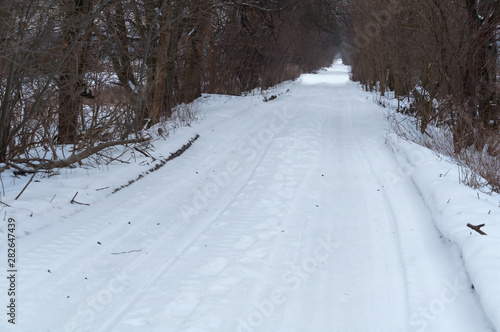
[
  {"x": 81, "y": 76},
  {"x": 250, "y": 165},
  {"x": 439, "y": 59}
]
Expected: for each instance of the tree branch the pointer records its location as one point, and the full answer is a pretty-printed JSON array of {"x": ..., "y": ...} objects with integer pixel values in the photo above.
[
  {"x": 477, "y": 228},
  {"x": 75, "y": 158}
]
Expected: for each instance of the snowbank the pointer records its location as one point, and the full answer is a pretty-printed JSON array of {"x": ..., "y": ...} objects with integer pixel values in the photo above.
[{"x": 454, "y": 206}]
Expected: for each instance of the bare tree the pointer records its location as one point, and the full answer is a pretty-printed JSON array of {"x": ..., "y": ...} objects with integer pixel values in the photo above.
[
  {"x": 76, "y": 41},
  {"x": 94, "y": 73}
]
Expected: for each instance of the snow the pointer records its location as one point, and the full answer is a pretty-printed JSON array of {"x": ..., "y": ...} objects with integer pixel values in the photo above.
[
  {"x": 131, "y": 85},
  {"x": 299, "y": 214},
  {"x": 454, "y": 206}
]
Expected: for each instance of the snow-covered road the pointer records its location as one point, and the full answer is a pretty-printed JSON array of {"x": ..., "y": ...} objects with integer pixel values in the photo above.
[{"x": 279, "y": 218}]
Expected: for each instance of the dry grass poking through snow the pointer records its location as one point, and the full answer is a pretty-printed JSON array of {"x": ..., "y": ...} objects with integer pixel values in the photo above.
[{"x": 479, "y": 168}]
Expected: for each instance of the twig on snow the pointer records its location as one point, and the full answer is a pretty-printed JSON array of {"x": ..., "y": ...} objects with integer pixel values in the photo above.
[
  {"x": 26, "y": 186},
  {"x": 477, "y": 228},
  {"x": 5, "y": 204},
  {"x": 75, "y": 202},
  {"x": 125, "y": 252}
]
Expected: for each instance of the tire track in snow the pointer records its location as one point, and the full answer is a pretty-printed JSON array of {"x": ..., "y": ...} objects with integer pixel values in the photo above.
[
  {"x": 62, "y": 252},
  {"x": 226, "y": 200},
  {"x": 226, "y": 262}
]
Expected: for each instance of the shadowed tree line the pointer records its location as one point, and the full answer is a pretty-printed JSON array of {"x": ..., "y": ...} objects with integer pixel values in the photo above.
[
  {"x": 439, "y": 55},
  {"x": 82, "y": 72}
]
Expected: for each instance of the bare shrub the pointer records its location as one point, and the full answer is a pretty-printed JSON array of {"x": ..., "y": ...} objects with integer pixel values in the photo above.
[
  {"x": 442, "y": 56},
  {"x": 183, "y": 115},
  {"x": 78, "y": 77},
  {"x": 479, "y": 169},
  {"x": 291, "y": 72}
]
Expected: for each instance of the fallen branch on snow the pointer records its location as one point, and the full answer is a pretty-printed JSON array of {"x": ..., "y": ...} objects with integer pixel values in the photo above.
[
  {"x": 160, "y": 164},
  {"x": 477, "y": 228},
  {"x": 45, "y": 164},
  {"x": 125, "y": 252},
  {"x": 75, "y": 202}
]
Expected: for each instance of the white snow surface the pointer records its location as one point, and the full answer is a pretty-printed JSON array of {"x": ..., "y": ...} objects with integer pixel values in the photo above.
[{"x": 298, "y": 214}]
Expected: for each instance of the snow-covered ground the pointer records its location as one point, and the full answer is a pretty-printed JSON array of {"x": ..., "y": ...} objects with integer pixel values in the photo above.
[{"x": 298, "y": 214}]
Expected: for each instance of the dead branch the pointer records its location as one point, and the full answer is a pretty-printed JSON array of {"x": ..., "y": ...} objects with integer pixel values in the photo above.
[
  {"x": 75, "y": 202},
  {"x": 125, "y": 252},
  {"x": 111, "y": 159},
  {"x": 74, "y": 158},
  {"x": 26, "y": 186},
  {"x": 99, "y": 189},
  {"x": 161, "y": 163},
  {"x": 5, "y": 204},
  {"x": 19, "y": 168},
  {"x": 477, "y": 228},
  {"x": 145, "y": 153}
]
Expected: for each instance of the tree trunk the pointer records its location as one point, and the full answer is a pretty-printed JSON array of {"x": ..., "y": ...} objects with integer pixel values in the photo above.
[
  {"x": 213, "y": 67},
  {"x": 5, "y": 109},
  {"x": 487, "y": 60},
  {"x": 194, "y": 55},
  {"x": 160, "y": 99},
  {"x": 69, "y": 108},
  {"x": 70, "y": 81}
]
